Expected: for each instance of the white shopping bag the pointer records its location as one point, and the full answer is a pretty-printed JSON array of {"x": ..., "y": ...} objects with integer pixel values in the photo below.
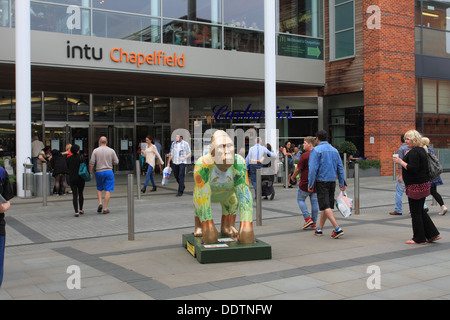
[
  {"x": 344, "y": 204},
  {"x": 166, "y": 174}
]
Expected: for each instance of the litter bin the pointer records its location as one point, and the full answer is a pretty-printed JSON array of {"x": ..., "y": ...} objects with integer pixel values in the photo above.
[
  {"x": 28, "y": 179},
  {"x": 38, "y": 184}
]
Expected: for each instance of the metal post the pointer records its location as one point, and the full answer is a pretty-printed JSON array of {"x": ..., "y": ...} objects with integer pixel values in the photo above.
[
  {"x": 258, "y": 192},
  {"x": 138, "y": 179},
  {"x": 130, "y": 208},
  {"x": 345, "y": 166},
  {"x": 286, "y": 171},
  {"x": 44, "y": 184},
  {"x": 356, "y": 186},
  {"x": 395, "y": 169}
]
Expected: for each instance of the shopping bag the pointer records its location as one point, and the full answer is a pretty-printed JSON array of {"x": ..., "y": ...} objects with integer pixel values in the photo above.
[
  {"x": 83, "y": 172},
  {"x": 166, "y": 174},
  {"x": 344, "y": 204}
]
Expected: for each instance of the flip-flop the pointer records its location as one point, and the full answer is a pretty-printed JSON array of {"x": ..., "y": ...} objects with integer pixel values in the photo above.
[{"x": 99, "y": 209}]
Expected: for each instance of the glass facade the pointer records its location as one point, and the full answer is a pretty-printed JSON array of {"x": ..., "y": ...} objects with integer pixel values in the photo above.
[
  {"x": 432, "y": 21},
  {"x": 219, "y": 24}
]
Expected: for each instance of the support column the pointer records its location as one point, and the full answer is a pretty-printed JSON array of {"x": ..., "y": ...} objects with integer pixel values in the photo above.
[
  {"x": 389, "y": 77},
  {"x": 23, "y": 90},
  {"x": 270, "y": 83}
]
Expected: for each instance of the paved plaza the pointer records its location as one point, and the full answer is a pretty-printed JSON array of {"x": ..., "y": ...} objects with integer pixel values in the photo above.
[{"x": 370, "y": 261}]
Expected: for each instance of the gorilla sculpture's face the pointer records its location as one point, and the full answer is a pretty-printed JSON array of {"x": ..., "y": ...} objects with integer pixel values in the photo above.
[{"x": 222, "y": 150}]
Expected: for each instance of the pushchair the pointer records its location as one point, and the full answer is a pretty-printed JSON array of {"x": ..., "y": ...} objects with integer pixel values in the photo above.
[{"x": 267, "y": 190}]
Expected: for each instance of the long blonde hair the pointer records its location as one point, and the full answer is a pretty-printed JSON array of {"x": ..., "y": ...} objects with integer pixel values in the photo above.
[{"x": 425, "y": 143}]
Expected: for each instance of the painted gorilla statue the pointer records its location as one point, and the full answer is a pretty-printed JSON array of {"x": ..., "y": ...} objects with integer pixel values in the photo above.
[{"x": 221, "y": 176}]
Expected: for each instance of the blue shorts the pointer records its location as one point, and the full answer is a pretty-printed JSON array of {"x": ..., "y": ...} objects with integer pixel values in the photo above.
[{"x": 105, "y": 180}]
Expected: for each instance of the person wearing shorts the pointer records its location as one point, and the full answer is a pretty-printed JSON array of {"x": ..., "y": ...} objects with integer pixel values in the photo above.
[
  {"x": 324, "y": 165},
  {"x": 103, "y": 158}
]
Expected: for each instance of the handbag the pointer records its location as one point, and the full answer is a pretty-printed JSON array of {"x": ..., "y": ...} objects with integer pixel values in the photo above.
[
  {"x": 434, "y": 166},
  {"x": 344, "y": 204},
  {"x": 83, "y": 172}
]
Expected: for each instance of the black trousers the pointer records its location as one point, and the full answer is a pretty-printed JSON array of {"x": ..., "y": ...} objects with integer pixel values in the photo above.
[
  {"x": 179, "y": 171},
  {"x": 77, "y": 187},
  {"x": 422, "y": 225},
  {"x": 437, "y": 196}
]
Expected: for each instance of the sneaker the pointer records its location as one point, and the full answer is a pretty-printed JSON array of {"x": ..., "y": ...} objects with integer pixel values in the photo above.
[
  {"x": 313, "y": 226},
  {"x": 435, "y": 238},
  {"x": 395, "y": 213},
  {"x": 308, "y": 222},
  {"x": 443, "y": 210},
  {"x": 318, "y": 233},
  {"x": 337, "y": 234}
]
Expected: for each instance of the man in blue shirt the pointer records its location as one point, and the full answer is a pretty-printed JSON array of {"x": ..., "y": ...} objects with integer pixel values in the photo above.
[
  {"x": 180, "y": 154},
  {"x": 254, "y": 159},
  {"x": 324, "y": 164}
]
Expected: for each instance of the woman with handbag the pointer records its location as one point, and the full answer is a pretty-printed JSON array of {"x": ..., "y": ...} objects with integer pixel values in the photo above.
[
  {"x": 76, "y": 182},
  {"x": 436, "y": 182},
  {"x": 150, "y": 154},
  {"x": 417, "y": 186}
]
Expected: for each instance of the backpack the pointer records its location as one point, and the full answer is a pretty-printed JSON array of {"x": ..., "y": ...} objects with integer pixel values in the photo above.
[
  {"x": 6, "y": 189},
  {"x": 434, "y": 166}
]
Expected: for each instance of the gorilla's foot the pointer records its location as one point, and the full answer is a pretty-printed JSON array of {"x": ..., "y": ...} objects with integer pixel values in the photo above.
[
  {"x": 228, "y": 229},
  {"x": 210, "y": 234},
  {"x": 246, "y": 234}
]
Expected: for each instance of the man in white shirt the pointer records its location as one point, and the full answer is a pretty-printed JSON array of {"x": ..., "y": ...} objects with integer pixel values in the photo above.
[
  {"x": 180, "y": 154},
  {"x": 254, "y": 159},
  {"x": 36, "y": 147}
]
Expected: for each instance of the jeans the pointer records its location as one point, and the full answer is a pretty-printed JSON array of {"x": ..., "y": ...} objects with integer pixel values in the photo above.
[
  {"x": 149, "y": 176},
  {"x": 301, "y": 197},
  {"x": 399, "y": 191},
  {"x": 2, "y": 257},
  {"x": 179, "y": 171},
  {"x": 253, "y": 168}
]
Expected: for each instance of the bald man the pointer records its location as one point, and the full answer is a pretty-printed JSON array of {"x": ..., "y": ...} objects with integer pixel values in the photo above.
[{"x": 103, "y": 158}]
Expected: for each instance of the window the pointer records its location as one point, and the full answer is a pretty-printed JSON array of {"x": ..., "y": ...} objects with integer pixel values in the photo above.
[
  {"x": 300, "y": 17},
  {"x": 342, "y": 29}
]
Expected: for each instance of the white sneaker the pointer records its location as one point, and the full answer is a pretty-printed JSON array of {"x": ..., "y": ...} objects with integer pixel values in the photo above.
[{"x": 443, "y": 210}]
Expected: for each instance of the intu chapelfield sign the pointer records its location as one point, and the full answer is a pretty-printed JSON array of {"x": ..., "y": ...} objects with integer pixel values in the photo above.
[
  {"x": 224, "y": 112},
  {"x": 119, "y": 55}
]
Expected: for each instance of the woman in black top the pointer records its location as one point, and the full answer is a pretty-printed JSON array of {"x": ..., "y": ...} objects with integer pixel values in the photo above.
[
  {"x": 7, "y": 193},
  {"x": 75, "y": 181},
  {"x": 417, "y": 185}
]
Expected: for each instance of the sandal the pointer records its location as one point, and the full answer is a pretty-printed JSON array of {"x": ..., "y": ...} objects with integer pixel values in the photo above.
[
  {"x": 81, "y": 212},
  {"x": 99, "y": 209},
  {"x": 106, "y": 211},
  {"x": 413, "y": 242},
  {"x": 435, "y": 238},
  {"x": 76, "y": 215}
]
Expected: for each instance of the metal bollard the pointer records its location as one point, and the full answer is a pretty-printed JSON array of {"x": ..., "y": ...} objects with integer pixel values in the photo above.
[
  {"x": 345, "y": 166},
  {"x": 356, "y": 186},
  {"x": 258, "y": 192},
  {"x": 138, "y": 179},
  {"x": 395, "y": 169},
  {"x": 286, "y": 171},
  {"x": 44, "y": 184},
  {"x": 130, "y": 208}
]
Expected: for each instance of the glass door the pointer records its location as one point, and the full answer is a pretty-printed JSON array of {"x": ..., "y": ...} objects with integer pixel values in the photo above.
[{"x": 124, "y": 145}]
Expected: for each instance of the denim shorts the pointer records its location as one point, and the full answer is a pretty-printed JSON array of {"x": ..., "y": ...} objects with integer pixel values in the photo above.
[
  {"x": 105, "y": 180},
  {"x": 325, "y": 194}
]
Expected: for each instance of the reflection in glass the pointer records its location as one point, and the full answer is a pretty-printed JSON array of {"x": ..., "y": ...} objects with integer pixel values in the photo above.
[
  {"x": 124, "y": 26},
  {"x": 161, "y": 110},
  {"x": 244, "y": 14},
  {"x": 123, "y": 109},
  {"x": 144, "y": 109},
  {"x": 300, "y": 17},
  {"x": 436, "y": 43},
  {"x": 345, "y": 43},
  {"x": 192, "y": 34},
  {"x": 57, "y": 18},
  {"x": 246, "y": 40},
  {"x": 4, "y": 13},
  {"x": 55, "y": 107},
  {"x": 78, "y": 107},
  {"x": 103, "y": 108},
  {"x": 150, "y": 7},
  {"x": 194, "y": 10},
  {"x": 7, "y": 109}
]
